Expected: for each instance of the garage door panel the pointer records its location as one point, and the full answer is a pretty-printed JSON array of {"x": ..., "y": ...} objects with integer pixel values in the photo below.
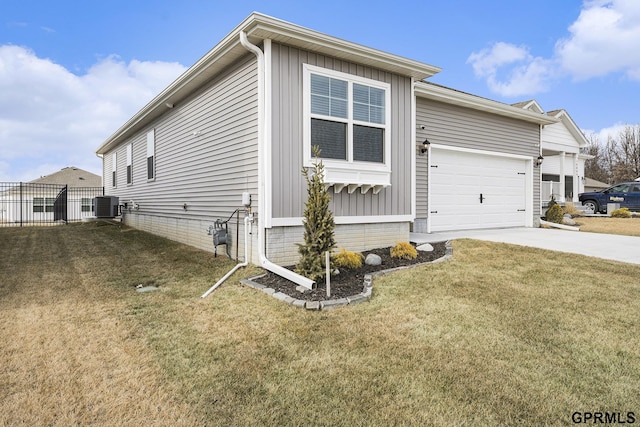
[{"x": 458, "y": 179}]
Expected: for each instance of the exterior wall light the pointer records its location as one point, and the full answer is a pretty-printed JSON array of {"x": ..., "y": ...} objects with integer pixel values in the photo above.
[
  {"x": 425, "y": 146},
  {"x": 537, "y": 162}
]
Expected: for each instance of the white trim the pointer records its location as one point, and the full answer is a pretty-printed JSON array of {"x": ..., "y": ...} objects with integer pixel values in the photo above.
[
  {"x": 455, "y": 97},
  {"x": 414, "y": 142},
  {"x": 340, "y": 220},
  {"x": 482, "y": 152}
]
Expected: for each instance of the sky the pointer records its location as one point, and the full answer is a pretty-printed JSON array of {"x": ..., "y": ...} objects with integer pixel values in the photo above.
[{"x": 73, "y": 72}]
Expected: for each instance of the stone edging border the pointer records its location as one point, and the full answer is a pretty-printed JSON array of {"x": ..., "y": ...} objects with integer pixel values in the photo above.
[{"x": 364, "y": 296}]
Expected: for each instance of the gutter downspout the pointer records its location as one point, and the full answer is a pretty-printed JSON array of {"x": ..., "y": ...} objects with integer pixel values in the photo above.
[
  {"x": 263, "y": 139},
  {"x": 247, "y": 220}
]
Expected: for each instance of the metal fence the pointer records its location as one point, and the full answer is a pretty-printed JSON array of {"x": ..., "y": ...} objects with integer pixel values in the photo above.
[{"x": 23, "y": 204}]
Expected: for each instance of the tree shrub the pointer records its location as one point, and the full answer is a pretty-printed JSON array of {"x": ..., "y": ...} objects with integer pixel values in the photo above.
[
  {"x": 318, "y": 224},
  {"x": 348, "y": 259},
  {"x": 555, "y": 214},
  {"x": 621, "y": 213},
  {"x": 404, "y": 250}
]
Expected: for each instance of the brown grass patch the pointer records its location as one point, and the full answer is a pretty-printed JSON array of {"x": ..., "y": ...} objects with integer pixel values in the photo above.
[
  {"x": 499, "y": 335},
  {"x": 623, "y": 226}
]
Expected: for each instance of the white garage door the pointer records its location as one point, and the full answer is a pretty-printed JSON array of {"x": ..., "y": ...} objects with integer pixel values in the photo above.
[{"x": 471, "y": 191}]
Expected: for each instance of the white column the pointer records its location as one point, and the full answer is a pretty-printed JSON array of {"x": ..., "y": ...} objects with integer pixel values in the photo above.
[
  {"x": 576, "y": 177},
  {"x": 562, "y": 179}
]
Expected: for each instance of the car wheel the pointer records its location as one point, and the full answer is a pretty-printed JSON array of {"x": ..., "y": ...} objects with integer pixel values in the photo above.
[{"x": 591, "y": 206}]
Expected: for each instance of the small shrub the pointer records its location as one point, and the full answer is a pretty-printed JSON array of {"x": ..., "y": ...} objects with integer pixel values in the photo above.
[
  {"x": 404, "y": 250},
  {"x": 552, "y": 202},
  {"x": 348, "y": 259},
  {"x": 621, "y": 213},
  {"x": 555, "y": 214}
]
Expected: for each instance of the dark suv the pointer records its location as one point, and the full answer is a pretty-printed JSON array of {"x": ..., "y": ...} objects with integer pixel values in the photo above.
[{"x": 625, "y": 193}]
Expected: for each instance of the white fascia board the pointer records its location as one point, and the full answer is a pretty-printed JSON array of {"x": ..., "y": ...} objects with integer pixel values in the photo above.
[
  {"x": 452, "y": 96},
  {"x": 297, "y": 221}
]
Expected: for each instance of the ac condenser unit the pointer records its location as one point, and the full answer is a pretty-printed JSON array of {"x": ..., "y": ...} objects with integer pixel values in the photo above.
[{"x": 106, "y": 206}]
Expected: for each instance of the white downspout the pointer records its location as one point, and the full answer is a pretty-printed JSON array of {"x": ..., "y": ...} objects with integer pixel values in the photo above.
[
  {"x": 247, "y": 220},
  {"x": 263, "y": 139}
]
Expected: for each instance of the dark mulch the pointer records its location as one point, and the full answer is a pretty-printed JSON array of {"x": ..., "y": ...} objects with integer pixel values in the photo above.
[{"x": 349, "y": 282}]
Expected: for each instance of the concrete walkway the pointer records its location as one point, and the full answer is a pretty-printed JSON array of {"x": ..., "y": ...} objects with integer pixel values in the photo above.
[{"x": 606, "y": 246}]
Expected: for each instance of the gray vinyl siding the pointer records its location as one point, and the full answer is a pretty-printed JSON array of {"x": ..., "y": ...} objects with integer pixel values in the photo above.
[
  {"x": 289, "y": 189},
  {"x": 456, "y": 126},
  {"x": 208, "y": 171}
]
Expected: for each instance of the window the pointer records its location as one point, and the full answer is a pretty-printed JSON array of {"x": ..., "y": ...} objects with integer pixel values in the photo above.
[
  {"x": 129, "y": 164},
  {"x": 348, "y": 118},
  {"x": 151, "y": 154},
  {"x": 38, "y": 204},
  {"x": 43, "y": 204},
  {"x": 86, "y": 205},
  {"x": 114, "y": 166}
]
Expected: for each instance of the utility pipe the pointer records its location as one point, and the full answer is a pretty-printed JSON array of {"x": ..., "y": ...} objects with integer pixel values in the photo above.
[
  {"x": 247, "y": 220},
  {"x": 263, "y": 139}
]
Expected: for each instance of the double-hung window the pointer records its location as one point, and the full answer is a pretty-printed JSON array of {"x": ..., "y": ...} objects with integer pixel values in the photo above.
[
  {"x": 129, "y": 164},
  {"x": 151, "y": 155},
  {"x": 348, "y": 118},
  {"x": 114, "y": 169}
]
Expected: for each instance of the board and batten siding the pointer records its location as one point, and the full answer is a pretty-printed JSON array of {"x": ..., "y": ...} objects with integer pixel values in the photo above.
[
  {"x": 289, "y": 188},
  {"x": 455, "y": 126},
  {"x": 206, "y": 156}
]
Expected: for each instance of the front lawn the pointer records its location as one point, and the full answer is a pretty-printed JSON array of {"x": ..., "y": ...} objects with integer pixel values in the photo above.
[
  {"x": 499, "y": 335},
  {"x": 624, "y": 226}
]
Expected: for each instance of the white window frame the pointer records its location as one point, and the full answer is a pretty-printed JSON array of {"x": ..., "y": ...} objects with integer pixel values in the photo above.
[
  {"x": 129, "y": 164},
  {"x": 351, "y": 173},
  {"x": 151, "y": 152},
  {"x": 114, "y": 170}
]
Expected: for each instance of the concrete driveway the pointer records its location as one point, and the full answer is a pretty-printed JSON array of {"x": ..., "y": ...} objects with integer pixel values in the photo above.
[{"x": 606, "y": 246}]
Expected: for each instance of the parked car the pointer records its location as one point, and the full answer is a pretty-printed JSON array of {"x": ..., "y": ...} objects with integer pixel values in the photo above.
[{"x": 627, "y": 194}]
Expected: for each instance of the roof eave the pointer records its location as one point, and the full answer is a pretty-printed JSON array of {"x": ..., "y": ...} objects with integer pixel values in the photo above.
[
  {"x": 450, "y": 96},
  {"x": 259, "y": 27}
]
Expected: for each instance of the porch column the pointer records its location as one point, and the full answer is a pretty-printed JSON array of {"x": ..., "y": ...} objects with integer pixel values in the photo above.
[
  {"x": 562, "y": 179},
  {"x": 576, "y": 178}
]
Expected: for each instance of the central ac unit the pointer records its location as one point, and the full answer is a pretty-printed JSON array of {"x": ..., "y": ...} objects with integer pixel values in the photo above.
[{"x": 106, "y": 206}]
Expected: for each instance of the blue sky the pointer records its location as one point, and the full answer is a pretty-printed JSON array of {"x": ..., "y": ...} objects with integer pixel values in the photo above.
[{"x": 72, "y": 72}]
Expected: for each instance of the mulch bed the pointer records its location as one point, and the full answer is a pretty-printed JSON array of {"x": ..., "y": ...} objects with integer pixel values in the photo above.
[{"x": 349, "y": 282}]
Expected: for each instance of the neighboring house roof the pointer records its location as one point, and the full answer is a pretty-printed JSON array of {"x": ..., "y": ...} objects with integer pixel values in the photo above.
[
  {"x": 259, "y": 27},
  {"x": 453, "y": 96},
  {"x": 561, "y": 116},
  {"x": 592, "y": 183},
  {"x": 532, "y": 105},
  {"x": 71, "y": 176}
]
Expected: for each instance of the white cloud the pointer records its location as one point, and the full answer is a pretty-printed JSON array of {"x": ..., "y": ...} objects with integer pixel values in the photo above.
[
  {"x": 51, "y": 118},
  {"x": 527, "y": 74},
  {"x": 604, "y": 39},
  {"x": 604, "y": 134}
]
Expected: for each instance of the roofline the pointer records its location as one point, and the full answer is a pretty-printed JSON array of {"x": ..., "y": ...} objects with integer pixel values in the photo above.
[
  {"x": 259, "y": 27},
  {"x": 564, "y": 116},
  {"x": 455, "y": 97}
]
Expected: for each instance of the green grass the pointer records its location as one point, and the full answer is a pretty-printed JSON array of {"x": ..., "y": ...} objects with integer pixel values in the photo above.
[{"x": 499, "y": 335}]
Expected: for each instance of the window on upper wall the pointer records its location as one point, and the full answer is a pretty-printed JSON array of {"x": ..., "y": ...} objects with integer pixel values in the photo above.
[
  {"x": 114, "y": 168},
  {"x": 348, "y": 118},
  {"x": 151, "y": 155},
  {"x": 129, "y": 164}
]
